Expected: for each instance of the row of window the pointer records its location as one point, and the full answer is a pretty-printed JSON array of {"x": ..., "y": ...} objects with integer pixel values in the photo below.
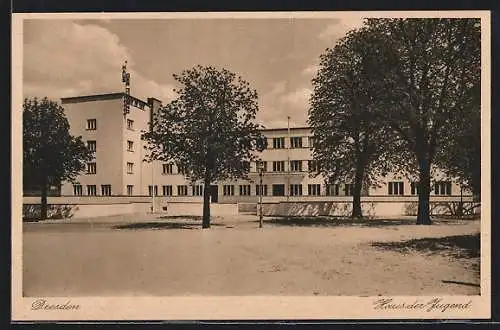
[
  {"x": 92, "y": 190},
  {"x": 394, "y": 188},
  {"x": 92, "y": 145},
  {"x": 295, "y": 142},
  {"x": 92, "y": 124}
]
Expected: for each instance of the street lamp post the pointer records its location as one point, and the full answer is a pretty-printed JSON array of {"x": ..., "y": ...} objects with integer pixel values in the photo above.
[{"x": 261, "y": 172}]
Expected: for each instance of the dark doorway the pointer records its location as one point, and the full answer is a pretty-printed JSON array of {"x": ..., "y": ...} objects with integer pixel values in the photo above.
[
  {"x": 214, "y": 193},
  {"x": 278, "y": 190}
]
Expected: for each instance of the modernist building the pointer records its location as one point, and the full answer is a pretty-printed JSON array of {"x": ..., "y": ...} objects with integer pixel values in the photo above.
[{"x": 119, "y": 169}]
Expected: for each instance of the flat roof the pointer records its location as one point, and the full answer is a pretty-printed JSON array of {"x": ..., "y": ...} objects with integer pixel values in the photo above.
[{"x": 98, "y": 97}]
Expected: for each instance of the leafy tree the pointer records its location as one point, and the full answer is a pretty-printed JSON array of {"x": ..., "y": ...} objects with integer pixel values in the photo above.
[
  {"x": 208, "y": 128},
  {"x": 461, "y": 158},
  {"x": 426, "y": 74},
  {"x": 349, "y": 143},
  {"x": 50, "y": 154}
]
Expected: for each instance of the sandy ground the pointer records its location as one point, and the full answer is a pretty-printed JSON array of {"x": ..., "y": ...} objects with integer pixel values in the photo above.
[{"x": 93, "y": 258}]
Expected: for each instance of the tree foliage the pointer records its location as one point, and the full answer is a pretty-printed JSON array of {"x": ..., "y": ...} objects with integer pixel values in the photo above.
[
  {"x": 50, "y": 154},
  {"x": 208, "y": 129},
  {"x": 426, "y": 77},
  {"x": 350, "y": 144}
]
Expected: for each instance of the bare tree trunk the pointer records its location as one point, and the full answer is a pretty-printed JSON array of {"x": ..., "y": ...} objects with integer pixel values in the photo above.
[
  {"x": 356, "y": 198},
  {"x": 206, "y": 204},
  {"x": 43, "y": 202},
  {"x": 424, "y": 189}
]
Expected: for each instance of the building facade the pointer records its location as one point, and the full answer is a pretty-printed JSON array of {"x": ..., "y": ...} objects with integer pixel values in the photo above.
[{"x": 119, "y": 168}]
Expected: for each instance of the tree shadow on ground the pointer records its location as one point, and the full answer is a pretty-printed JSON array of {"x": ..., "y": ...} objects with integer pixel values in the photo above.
[
  {"x": 460, "y": 246},
  {"x": 187, "y": 217},
  {"x": 162, "y": 225},
  {"x": 336, "y": 222}
]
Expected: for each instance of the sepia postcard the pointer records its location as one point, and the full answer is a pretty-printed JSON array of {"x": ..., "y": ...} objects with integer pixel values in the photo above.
[{"x": 251, "y": 166}]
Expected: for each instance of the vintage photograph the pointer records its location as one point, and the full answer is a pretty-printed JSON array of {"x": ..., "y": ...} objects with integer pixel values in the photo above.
[{"x": 336, "y": 155}]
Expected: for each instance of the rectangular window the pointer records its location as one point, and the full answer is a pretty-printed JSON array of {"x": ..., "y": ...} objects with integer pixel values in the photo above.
[
  {"x": 396, "y": 188},
  {"x": 295, "y": 190},
  {"x": 130, "y": 146},
  {"x": 261, "y": 165},
  {"x": 312, "y": 166},
  {"x": 442, "y": 188},
  {"x": 314, "y": 189},
  {"x": 167, "y": 190},
  {"x": 92, "y": 145},
  {"x": 228, "y": 190},
  {"x": 245, "y": 190},
  {"x": 279, "y": 166},
  {"x": 91, "y": 190},
  {"x": 333, "y": 189},
  {"x": 261, "y": 189},
  {"x": 414, "y": 188},
  {"x": 197, "y": 190},
  {"x": 348, "y": 189},
  {"x": 296, "y": 142},
  {"x": 130, "y": 124},
  {"x": 130, "y": 190},
  {"x": 77, "y": 190},
  {"x": 181, "y": 169},
  {"x": 279, "y": 143},
  {"x": 91, "y": 124},
  {"x": 278, "y": 190},
  {"x": 296, "y": 165},
  {"x": 150, "y": 190},
  {"x": 106, "y": 189},
  {"x": 182, "y": 190},
  {"x": 130, "y": 168},
  {"x": 311, "y": 142},
  {"x": 91, "y": 168},
  {"x": 168, "y": 168}
]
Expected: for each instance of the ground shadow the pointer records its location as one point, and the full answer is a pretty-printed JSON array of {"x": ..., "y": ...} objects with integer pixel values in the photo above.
[
  {"x": 187, "y": 217},
  {"x": 162, "y": 225},
  {"x": 336, "y": 222},
  {"x": 460, "y": 246}
]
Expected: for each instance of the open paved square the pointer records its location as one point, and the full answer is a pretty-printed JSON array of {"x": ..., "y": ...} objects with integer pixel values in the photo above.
[{"x": 119, "y": 256}]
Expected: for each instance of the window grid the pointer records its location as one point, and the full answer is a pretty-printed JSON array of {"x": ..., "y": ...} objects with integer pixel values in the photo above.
[
  {"x": 91, "y": 168},
  {"x": 130, "y": 168},
  {"x": 295, "y": 190},
  {"x": 296, "y": 165},
  {"x": 168, "y": 168},
  {"x": 150, "y": 190},
  {"x": 106, "y": 189},
  {"x": 228, "y": 190},
  {"x": 348, "y": 189},
  {"x": 77, "y": 190},
  {"x": 245, "y": 190},
  {"x": 333, "y": 189},
  {"x": 130, "y": 190},
  {"x": 130, "y": 145},
  {"x": 167, "y": 190},
  {"x": 314, "y": 189},
  {"x": 91, "y": 190},
  {"x": 396, "y": 188},
  {"x": 197, "y": 190},
  {"x": 92, "y": 145},
  {"x": 91, "y": 124},
  {"x": 442, "y": 188},
  {"x": 278, "y": 166},
  {"x": 414, "y": 188},
  {"x": 130, "y": 124},
  {"x": 182, "y": 190},
  {"x": 296, "y": 142},
  {"x": 279, "y": 143},
  {"x": 259, "y": 189}
]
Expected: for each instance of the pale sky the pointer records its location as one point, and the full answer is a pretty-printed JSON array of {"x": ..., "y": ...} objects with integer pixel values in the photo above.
[{"x": 278, "y": 57}]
